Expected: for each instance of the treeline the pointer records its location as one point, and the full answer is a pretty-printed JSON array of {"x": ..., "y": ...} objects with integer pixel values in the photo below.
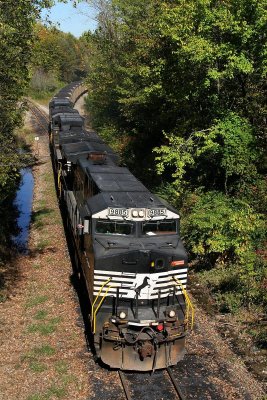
[
  {"x": 17, "y": 22},
  {"x": 59, "y": 58},
  {"x": 179, "y": 88},
  {"x": 33, "y": 57},
  {"x": 16, "y": 32}
]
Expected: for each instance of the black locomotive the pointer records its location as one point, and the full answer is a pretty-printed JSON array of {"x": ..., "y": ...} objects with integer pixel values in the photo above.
[{"x": 127, "y": 246}]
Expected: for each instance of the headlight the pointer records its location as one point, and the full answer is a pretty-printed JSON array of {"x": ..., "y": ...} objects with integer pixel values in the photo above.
[
  {"x": 138, "y": 213},
  {"x": 122, "y": 315},
  {"x": 171, "y": 313}
]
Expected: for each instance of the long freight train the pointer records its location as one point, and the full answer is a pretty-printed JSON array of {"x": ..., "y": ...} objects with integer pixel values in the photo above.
[{"x": 127, "y": 246}]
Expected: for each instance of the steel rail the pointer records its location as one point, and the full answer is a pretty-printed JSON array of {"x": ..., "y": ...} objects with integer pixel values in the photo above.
[
  {"x": 177, "y": 389},
  {"x": 40, "y": 111},
  {"x": 124, "y": 385},
  {"x": 175, "y": 384},
  {"x": 40, "y": 116}
]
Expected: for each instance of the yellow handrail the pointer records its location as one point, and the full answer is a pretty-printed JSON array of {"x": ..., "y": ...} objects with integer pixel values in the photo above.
[
  {"x": 94, "y": 311},
  {"x": 97, "y": 308},
  {"x": 58, "y": 178},
  {"x": 189, "y": 306},
  {"x": 51, "y": 137}
]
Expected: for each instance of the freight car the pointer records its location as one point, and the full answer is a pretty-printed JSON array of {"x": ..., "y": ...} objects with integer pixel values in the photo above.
[{"x": 127, "y": 247}]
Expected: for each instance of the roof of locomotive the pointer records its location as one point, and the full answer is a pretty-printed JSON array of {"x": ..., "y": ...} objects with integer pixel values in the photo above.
[
  {"x": 118, "y": 188},
  {"x": 73, "y": 119},
  {"x": 60, "y": 102},
  {"x": 83, "y": 134},
  {"x": 62, "y": 109},
  {"x": 125, "y": 199},
  {"x": 74, "y": 136},
  {"x": 82, "y": 148},
  {"x": 111, "y": 178}
]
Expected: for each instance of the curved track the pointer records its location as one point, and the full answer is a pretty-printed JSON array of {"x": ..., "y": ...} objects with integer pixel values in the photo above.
[{"x": 40, "y": 115}]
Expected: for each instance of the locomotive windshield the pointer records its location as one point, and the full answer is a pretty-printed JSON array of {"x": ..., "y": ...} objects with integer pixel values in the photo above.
[
  {"x": 159, "y": 227},
  {"x": 114, "y": 227}
]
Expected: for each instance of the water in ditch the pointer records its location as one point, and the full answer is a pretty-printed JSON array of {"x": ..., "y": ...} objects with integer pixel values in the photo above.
[{"x": 23, "y": 203}]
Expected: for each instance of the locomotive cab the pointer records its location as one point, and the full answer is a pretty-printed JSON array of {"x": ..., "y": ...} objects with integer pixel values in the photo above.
[{"x": 140, "y": 269}]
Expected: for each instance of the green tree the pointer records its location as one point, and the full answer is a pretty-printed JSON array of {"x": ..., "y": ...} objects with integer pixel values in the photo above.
[
  {"x": 176, "y": 67},
  {"x": 221, "y": 157},
  {"x": 16, "y": 32},
  {"x": 17, "y": 21},
  {"x": 187, "y": 79},
  {"x": 56, "y": 57}
]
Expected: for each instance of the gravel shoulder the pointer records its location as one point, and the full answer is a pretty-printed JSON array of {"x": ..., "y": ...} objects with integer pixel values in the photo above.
[{"x": 211, "y": 370}]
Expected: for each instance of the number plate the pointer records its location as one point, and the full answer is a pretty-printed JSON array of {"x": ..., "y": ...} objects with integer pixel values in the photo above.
[
  {"x": 118, "y": 212},
  {"x": 157, "y": 212}
]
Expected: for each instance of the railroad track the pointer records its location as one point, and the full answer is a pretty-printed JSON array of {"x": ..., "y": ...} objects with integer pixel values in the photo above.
[
  {"x": 40, "y": 116},
  {"x": 175, "y": 384},
  {"x": 143, "y": 386}
]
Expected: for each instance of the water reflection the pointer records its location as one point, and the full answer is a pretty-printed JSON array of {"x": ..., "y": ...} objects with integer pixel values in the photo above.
[{"x": 23, "y": 202}]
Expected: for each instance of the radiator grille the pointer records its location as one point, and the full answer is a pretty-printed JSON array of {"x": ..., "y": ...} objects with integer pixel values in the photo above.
[{"x": 149, "y": 284}]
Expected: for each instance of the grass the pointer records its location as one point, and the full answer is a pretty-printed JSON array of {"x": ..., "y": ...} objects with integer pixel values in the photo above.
[
  {"x": 3, "y": 297},
  {"x": 60, "y": 301},
  {"x": 36, "y": 266},
  {"x": 61, "y": 367},
  {"x": 35, "y": 366},
  {"x": 42, "y": 244},
  {"x": 36, "y": 300},
  {"x": 54, "y": 390},
  {"x": 42, "y": 203},
  {"x": 41, "y": 217},
  {"x": 44, "y": 96},
  {"x": 57, "y": 220},
  {"x": 37, "y": 354},
  {"x": 24, "y": 137},
  {"x": 44, "y": 350},
  {"x": 51, "y": 393},
  {"x": 44, "y": 328},
  {"x": 49, "y": 178},
  {"x": 39, "y": 223},
  {"x": 41, "y": 314},
  {"x": 49, "y": 259},
  {"x": 259, "y": 335},
  {"x": 68, "y": 378},
  {"x": 35, "y": 397}
]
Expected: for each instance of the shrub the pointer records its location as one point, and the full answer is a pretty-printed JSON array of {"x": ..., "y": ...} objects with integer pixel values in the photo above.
[{"x": 219, "y": 228}]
